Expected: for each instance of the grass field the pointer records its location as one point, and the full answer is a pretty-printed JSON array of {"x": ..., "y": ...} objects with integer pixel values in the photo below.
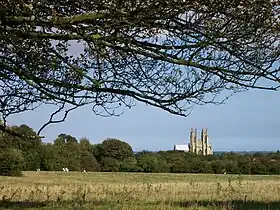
[{"x": 77, "y": 190}]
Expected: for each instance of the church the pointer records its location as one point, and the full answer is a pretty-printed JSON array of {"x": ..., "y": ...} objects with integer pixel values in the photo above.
[{"x": 198, "y": 146}]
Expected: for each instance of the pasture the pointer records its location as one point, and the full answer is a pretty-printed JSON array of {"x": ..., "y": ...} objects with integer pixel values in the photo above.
[{"x": 77, "y": 190}]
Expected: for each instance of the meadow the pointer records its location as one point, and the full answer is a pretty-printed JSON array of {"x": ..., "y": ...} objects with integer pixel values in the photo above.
[{"x": 99, "y": 190}]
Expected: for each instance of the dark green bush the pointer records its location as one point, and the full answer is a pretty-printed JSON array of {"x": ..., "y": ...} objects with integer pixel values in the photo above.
[{"x": 11, "y": 162}]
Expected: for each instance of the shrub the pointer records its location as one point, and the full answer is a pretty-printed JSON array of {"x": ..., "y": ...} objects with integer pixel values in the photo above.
[
  {"x": 11, "y": 162},
  {"x": 110, "y": 164}
]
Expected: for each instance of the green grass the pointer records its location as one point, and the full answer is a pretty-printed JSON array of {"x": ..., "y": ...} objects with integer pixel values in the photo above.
[{"x": 77, "y": 190}]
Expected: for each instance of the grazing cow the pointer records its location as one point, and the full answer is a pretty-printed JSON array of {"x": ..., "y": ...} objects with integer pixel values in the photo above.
[{"x": 65, "y": 169}]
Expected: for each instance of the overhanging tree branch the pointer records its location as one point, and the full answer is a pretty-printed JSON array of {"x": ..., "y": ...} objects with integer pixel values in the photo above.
[{"x": 171, "y": 55}]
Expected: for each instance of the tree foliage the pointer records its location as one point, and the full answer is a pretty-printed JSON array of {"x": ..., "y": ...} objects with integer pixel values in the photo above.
[
  {"x": 31, "y": 148},
  {"x": 11, "y": 162},
  {"x": 114, "y": 155},
  {"x": 168, "y": 54},
  {"x": 115, "y": 148},
  {"x": 152, "y": 163}
]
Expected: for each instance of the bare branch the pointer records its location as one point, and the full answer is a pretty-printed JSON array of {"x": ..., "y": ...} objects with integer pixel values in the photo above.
[
  {"x": 172, "y": 55},
  {"x": 51, "y": 121}
]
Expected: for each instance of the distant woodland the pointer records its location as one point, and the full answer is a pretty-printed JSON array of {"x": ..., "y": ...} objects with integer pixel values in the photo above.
[{"x": 20, "y": 153}]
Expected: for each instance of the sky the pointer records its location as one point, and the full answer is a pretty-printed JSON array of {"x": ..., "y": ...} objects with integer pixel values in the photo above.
[{"x": 248, "y": 121}]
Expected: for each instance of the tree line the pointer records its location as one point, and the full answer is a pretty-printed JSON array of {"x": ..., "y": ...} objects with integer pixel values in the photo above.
[{"x": 19, "y": 153}]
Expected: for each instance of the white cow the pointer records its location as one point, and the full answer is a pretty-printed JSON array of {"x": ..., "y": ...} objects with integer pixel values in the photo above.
[{"x": 65, "y": 169}]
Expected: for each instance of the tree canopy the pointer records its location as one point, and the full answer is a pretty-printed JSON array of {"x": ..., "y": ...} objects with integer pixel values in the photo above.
[
  {"x": 19, "y": 154},
  {"x": 169, "y": 54}
]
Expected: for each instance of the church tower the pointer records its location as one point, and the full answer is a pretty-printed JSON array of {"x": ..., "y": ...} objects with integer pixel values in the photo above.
[
  {"x": 200, "y": 146},
  {"x": 193, "y": 140},
  {"x": 204, "y": 141}
]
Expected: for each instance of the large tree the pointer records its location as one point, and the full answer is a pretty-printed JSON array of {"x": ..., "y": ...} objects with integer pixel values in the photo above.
[
  {"x": 31, "y": 149},
  {"x": 115, "y": 148},
  {"x": 169, "y": 54}
]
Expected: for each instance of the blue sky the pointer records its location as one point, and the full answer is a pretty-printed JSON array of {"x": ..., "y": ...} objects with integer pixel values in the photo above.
[{"x": 247, "y": 121}]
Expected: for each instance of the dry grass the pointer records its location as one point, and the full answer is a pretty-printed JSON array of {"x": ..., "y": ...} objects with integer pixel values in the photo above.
[{"x": 57, "y": 190}]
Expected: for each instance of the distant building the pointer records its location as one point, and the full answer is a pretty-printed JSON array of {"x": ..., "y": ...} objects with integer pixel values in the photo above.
[
  {"x": 200, "y": 146},
  {"x": 197, "y": 146},
  {"x": 182, "y": 147}
]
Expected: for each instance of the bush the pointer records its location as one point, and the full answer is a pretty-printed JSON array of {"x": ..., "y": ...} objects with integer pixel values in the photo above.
[
  {"x": 11, "y": 162},
  {"x": 152, "y": 163},
  {"x": 110, "y": 164},
  {"x": 88, "y": 161},
  {"x": 129, "y": 165}
]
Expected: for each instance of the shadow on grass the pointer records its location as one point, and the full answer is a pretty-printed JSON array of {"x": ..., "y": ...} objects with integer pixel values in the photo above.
[
  {"x": 235, "y": 204},
  {"x": 232, "y": 205},
  {"x": 20, "y": 204},
  {"x": 76, "y": 204}
]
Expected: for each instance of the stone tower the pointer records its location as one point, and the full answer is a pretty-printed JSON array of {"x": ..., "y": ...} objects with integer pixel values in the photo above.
[
  {"x": 202, "y": 145},
  {"x": 193, "y": 136},
  {"x": 204, "y": 141}
]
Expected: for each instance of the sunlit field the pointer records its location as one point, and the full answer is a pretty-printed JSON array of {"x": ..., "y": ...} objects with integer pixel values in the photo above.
[{"x": 77, "y": 190}]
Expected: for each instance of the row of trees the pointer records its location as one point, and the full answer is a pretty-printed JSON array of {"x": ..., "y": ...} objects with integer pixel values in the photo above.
[{"x": 19, "y": 153}]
